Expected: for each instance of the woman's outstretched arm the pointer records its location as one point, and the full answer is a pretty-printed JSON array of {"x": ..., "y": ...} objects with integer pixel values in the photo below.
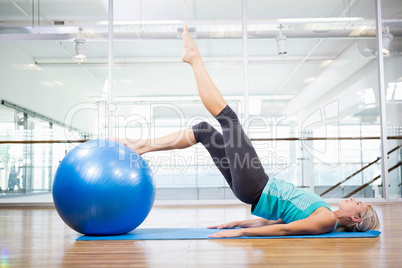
[
  {"x": 247, "y": 224},
  {"x": 317, "y": 224}
]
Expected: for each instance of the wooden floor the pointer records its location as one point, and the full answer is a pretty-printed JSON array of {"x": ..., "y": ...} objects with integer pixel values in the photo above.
[{"x": 38, "y": 238}]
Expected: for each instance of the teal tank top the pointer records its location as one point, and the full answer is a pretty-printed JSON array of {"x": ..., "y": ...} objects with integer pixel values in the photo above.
[{"x": 282, "y": 200}]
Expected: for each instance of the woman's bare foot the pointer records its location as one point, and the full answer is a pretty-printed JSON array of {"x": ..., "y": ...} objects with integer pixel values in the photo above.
[{"x": 190, "y": 51}]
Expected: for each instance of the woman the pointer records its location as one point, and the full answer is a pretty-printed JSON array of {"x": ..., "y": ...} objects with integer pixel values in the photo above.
[{"x": 285, "y": 210}]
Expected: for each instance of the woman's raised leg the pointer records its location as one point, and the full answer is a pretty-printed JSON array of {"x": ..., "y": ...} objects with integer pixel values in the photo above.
[
  {"x": 247, "y": 173},
  {"x": 209, "y": 93},
  {"x": 202, "y": 132},
  {"x": 178, "y": 140}
]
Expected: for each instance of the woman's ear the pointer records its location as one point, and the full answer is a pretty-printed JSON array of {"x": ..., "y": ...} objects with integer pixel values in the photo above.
[{"x": 356, "y": 219}]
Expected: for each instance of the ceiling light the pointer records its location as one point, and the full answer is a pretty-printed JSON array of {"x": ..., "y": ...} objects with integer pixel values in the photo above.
[
  {"x": 281, "y": 42},
  {"x": 386, "y": 42},
  {"x": 46, "y": 83},
  {"x": 142, "y": 23},
  {"x": 80, "y": 47},
  {"x": 326, "y": 63},
  {"x": 321, "y": 20},
  {"x": 59, "y": 83},
  {"x": 80, "y": 50},
  {"x": 309, "y": 80}
]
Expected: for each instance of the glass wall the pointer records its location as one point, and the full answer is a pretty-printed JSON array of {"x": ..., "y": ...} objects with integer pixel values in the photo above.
[
  {"x": 311, "y": 87},
  {"x": 392, "y": 49},
  {"x": 28, "y": 158}
]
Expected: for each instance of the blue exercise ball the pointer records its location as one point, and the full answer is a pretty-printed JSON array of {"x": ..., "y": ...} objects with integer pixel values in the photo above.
[{"x": 102, "y": 187}]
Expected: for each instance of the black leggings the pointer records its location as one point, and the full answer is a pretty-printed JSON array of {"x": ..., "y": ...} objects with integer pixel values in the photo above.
[{"x": 234, "y": 156}]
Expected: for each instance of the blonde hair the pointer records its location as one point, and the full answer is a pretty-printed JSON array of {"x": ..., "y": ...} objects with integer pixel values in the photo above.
[{"x": 369, "y": 221}]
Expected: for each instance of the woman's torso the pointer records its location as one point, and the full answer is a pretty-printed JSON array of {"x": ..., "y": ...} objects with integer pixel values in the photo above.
[{"x": 282, "y": 200}]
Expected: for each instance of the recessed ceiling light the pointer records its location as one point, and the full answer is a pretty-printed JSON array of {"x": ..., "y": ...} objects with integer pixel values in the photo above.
[
  {"x": 325, "y": 63},
  {"x": 309, "y": 79}
]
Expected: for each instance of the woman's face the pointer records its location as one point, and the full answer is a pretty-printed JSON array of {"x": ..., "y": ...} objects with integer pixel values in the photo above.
[{"x": 351, "y": 207}]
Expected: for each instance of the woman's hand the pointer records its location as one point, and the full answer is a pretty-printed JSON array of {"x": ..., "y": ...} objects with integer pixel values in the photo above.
[
  {"x": 227, "y": 233},
  {"x": 135, "y": 145},
  {"x": 229, "y": 225}
]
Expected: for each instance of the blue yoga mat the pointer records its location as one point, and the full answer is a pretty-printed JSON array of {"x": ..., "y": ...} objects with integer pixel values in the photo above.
[{"x": 202, "y": 233}]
